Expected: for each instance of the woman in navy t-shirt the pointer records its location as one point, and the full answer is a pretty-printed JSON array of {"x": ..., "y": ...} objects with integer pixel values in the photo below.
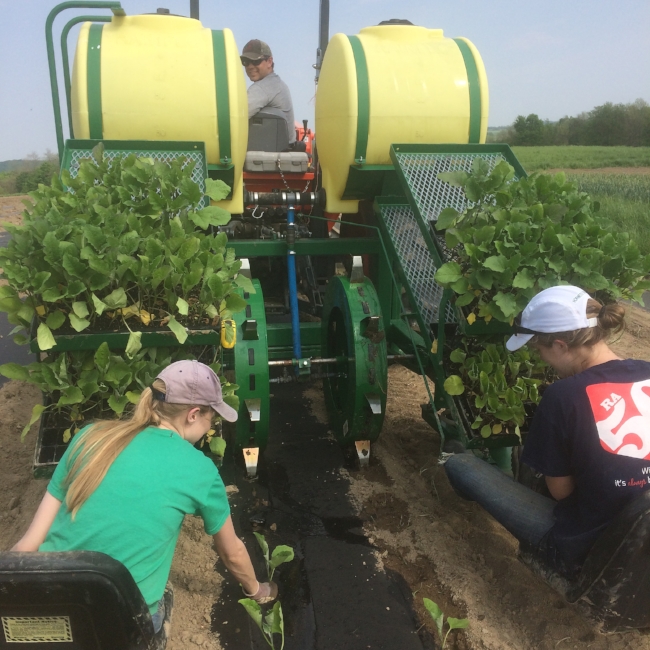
[{"x": 590, "y": 436}]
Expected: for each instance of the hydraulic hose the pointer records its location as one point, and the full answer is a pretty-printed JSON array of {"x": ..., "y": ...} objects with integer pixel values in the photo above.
[{"x": 293, "y": 287}]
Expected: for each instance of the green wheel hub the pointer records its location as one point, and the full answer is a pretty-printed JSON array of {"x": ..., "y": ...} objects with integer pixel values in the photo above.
[{"x": 353, "y": 332}]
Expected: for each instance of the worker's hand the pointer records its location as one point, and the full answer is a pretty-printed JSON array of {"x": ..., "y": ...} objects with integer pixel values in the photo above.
[{"x": 267, "y": 592}]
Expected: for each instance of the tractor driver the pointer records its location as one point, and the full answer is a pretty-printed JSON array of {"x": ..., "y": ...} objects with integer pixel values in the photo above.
[{"x": 268, "y": 90}]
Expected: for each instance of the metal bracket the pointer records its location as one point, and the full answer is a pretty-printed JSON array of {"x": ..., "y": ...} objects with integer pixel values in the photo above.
[
  {"x": 254, "y": 407},
  {"x": 251, "y": 456},
  {"x": 245, "y": 268},
  {"x": 363, "y": 452},
  {"x": 249, "y": 328},
  {"x": 303, "y": 365},
  {"x": 357, "y": 275},
  {"x": 375, "y": 403}
]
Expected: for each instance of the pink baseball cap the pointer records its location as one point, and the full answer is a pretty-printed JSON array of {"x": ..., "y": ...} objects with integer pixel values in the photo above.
[{"x": 192, "y": 382}]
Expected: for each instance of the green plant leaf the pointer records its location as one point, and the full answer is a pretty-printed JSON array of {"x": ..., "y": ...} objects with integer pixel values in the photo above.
[
  {"x": 80, "y": 308},
  {"x": 507, "y": 302},
  {"x": 44, "y": 338},
  {"x": 37, "y": 411},
  {"x": 261, "y": 540},
  {"x": 447, "y": 218},
  {"x": 454, "y": 385},
  {"x": 448, "y": 273},
  {"x": 133, "y": 396},
  {"x": 254, "y": 610},
  {"x": 496, "y": 263},
  {"x": 102, "y": 356},
  {"x": 436, "y": 614},
  {"x": 182, "y": 306},
  {"x": 486, "y": 431},
  {"x": 100, "y": 306},
  {"x": 455, "y": 179},
  {"x": 179, "y": 331},
  {"x": 71, "y": 395},
  {"x": 457, "y": 356},
  {"x": 218, "y": 446},
  {"x": 245, "y": 283},
  {"x": 217, "y": 190},
  {"x": 55, "y": 319},
  {"x": 457, "y": 623},
  {"x": 525, "y": 279},
  {"x": 277, "y": 625},
  {"x": 14, "y": 371},
  {"x": 280, "y": 555},
  {"x": 235, "y": 303},
  {"x": 118, "y": 404},
  {"x": 133, "y": 345},
  {"x": 116, "y": 299},
  {"x": 213, "y": 214},
  {"x": 78, "y": 324}
]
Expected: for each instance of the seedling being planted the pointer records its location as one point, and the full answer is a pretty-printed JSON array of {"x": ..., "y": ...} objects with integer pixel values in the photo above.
[
  {"x": 280, "y": 555},
  {"x": 439, "y": 619},
  {"x": 272, "y": 623}
]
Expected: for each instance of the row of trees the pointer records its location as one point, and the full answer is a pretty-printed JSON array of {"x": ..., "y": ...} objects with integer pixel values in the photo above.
[
  {"x": 606, "y": 125},
  {"x": 33, "y": 170}
]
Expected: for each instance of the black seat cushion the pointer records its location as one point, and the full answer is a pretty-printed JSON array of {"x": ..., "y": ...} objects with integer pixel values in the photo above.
[{"x": 85, "y": 596}]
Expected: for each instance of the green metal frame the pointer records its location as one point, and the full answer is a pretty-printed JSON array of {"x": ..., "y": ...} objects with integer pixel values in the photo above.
[
  {"x": 249, "y": 360},
  {"x": 477, "y": 328},
  {"x": 66, "y": 62},
  {"x": 363, "y": 99},
  {"x": 279, "y": 247},
  {"x": 118, "y": 340},
  {"x": 347, "y": 311},
  {"x": 474, "y": 135},
  {"x": 117, "y": 10}
]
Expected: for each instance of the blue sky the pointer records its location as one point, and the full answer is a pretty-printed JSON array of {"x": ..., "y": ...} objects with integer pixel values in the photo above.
[{"x": 554, "y": 58}]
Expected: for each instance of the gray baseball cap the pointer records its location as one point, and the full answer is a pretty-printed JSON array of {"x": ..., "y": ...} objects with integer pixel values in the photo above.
[
  {"x": 255, "y": 50},
  {"x": 192, "y": 382}
]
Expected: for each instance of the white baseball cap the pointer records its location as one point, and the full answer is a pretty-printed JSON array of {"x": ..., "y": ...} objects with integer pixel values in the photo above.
[{"x": 558, "y": 309}]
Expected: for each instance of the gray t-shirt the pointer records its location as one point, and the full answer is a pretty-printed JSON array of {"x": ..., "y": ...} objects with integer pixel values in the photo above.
[{"x": 272, "y": 92}]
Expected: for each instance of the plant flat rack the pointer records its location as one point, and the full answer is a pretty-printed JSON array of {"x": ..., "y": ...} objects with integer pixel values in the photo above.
[
  {"x": 75, "y": 151},
  {"x": 152, "y": 338}
]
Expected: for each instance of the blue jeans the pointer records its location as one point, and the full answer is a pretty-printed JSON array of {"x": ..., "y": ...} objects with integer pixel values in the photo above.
[
  {"x": 158, "y": 617},
  {"x": 524, "y": 513}
]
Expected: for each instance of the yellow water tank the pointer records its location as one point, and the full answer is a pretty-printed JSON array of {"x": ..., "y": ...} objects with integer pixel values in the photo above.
[
  {"x": 394, "y": 84},
  {"x": 161, "y": 77}
]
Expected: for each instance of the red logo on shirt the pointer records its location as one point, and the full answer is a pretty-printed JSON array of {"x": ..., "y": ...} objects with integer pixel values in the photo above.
[{"x": 622, "y": 414}]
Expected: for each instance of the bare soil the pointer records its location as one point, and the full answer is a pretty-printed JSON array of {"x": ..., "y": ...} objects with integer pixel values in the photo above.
[{"x": 447, "y": 549}]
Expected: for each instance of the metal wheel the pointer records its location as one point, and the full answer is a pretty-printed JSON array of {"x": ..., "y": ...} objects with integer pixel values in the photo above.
[{"x": 353, "y": 332}]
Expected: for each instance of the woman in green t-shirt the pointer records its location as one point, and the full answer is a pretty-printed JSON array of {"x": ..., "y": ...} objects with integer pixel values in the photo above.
[{"x": 123, "y": 488}]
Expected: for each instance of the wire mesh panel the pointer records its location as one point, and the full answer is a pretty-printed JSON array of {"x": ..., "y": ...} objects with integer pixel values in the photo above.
[
  {"x": 416, "y": 262},
  {"x": 431, "y": 194},
  {"x": 194, "y": 153}
]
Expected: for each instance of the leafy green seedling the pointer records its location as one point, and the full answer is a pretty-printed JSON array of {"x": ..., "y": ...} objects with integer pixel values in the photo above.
[
  {"x": 439, "y": 619},
  {"x": 280, "y": 555},
  {"x": 272, "y": 623}
]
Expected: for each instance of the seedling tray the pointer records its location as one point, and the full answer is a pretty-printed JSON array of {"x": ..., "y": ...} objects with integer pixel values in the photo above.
[
  {"x": 49, "y": 443},
  {"x": 160, "y": 337}
]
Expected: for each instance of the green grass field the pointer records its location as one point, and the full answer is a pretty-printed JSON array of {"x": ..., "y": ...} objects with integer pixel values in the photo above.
[
  {"x": 539, "y": 158},
  {"x": 624, "y": 200}
]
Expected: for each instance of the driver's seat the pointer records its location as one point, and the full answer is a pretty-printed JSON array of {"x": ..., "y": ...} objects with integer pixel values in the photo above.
[{"x": 79, "y": 600}]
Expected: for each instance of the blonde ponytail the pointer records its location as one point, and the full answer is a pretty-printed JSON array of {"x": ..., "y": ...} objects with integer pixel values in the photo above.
[{"x": 92, "y": 454}]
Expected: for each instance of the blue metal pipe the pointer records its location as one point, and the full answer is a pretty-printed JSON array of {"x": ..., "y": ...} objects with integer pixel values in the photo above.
[{"x": 293, "y": 286}]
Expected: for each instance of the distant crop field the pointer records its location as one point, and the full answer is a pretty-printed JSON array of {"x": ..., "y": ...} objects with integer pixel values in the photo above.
[
  {"x": 624, "y": 200},
  {"x": 539, "y": 158}
]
